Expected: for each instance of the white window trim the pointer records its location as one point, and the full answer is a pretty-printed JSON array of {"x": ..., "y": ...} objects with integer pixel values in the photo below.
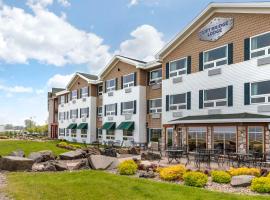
[
  {"x": 100, "y": 92},
  {"x": 73, "y": 114},
  {"x": 84, "y": 94},
  {"x": 177, "y": 105},
  {"x": 85, "y": 114},
  {"x": 61, "y": 116},
  {"x": 62, "y": 99},
  {"x": 83, "y": 135},
  {"x": 128, "y": 111},
  {"x": 256, "y": 50},
  {"x": 266, "y": 96},
  {"x": 216, "y": 100},
  {"x": 128, "y": 137},
  {"x": 110, "y": 113},
  {"x": 263, "y": 141},
  {"x": 110, "y": 137},
  {"x": 111, "y": 88},
  {"x": 129, "y": 84},
  {"x": 100, "y": 113},
  {"x": 215, "y": 61},
  {"x": 60, "y": 133},
  {"x": 155, "y": 109},
  {"x": 179, "y": 70},
  {"x": 149, "y": 133},
  {"x": 74, "y": 97},
  {"x": 155, "y": 80},
  {"x": 72, "y": 134}
]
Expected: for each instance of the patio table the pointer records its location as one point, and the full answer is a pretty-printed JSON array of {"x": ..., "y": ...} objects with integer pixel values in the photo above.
[
  {"x": 174, "y": 154},
  {"x": 242, "y": 158}
]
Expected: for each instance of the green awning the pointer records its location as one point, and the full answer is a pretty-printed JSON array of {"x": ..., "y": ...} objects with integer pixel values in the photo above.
[
  {"x": 127, "y": 126},
  {"x": 109, "y": 126},
  {"x": 83, "y": 126},
  {"x": 72, "y": 126}
]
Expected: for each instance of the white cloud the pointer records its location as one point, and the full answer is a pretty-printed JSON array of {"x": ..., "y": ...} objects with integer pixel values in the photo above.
[
  {"x": 39, "y": 4},
  {"x": 144, "y": 45},
  {"x": 64, "y": 3},
  {"x": 133, "y": 3},
  {"x": 149, "y": 3},
  {"x": 16, "y": 89},
  {"x": 59, "y": 81}
]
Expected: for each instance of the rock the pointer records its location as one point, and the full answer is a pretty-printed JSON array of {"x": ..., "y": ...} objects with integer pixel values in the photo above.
[
  {"x": 123, "y": 151},
  {"x": 92, "y": 151},
  {"x": 150, "y": 156},
  {"x": 60, "y": 166},
  {"x": 110, "y": 152},
  {"x": 102, "y": 162},
  {"x": 135, "y": 150},
  {"x": 17, "y": 153},
  {"x": 71, "y": 155},
  {"x": 42, "y": 156},
  {"x": 145, "y": 174},
  {"x": 15, "y": 163},
  {"x": 241, "y": 181},
  {"x": 44, "y": 166}
]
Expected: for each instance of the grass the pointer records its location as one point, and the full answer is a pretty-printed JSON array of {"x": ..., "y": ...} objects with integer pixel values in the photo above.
[
  {"x": 7, "y": 146},
  {"x": 97, "y": 185}
]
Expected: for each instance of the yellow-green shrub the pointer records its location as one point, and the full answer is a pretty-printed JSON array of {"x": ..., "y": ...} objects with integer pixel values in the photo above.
[
  {"x": 172, "y": 173},
  {"x": 244, "y": 171},
  {"x": 261, "y": 185},
  {"x": 220, "y": 177},
  {"x": 196, "y": 179},
  {"x": 62, "y": 144},
  {"x": 128, "y": 167}
]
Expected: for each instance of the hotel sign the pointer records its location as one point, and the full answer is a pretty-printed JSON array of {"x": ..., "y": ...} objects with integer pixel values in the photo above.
[{"x": 215, "y": 29}]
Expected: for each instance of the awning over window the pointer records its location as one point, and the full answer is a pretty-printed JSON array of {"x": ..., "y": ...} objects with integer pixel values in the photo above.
[
  {"x": 109, "y": 126},
  {"x": 127, "y": 126},
  {"x": 83, "y": 126},
  {"x": 72, "y": 126}
]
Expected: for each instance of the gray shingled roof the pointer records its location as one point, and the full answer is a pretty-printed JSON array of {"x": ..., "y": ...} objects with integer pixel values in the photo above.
[
  {"x": 89, "y": 76},
  {"x": 140, "y": 61},
  {"x": 55, "y": 90}
]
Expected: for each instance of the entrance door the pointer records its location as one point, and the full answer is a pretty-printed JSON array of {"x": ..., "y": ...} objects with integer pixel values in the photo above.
[
  {"x": 180, "y": 137},
  {"x": 169, "y": 142}
]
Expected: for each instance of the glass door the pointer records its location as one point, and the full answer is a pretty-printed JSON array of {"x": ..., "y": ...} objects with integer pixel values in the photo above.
[
  {"x": 169, "y": 138},
  {"x": 225, "y": 139}
]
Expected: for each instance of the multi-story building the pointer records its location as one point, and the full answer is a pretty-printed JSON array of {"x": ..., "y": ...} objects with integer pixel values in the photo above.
[{"x": 209, "y": 88}]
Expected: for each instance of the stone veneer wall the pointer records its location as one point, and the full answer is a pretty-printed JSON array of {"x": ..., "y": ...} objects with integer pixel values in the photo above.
[{"x": 241, "y": 139}]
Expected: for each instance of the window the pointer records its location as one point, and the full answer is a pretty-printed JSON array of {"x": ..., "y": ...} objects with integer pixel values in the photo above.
[
  {"x": 110, "y": 85},
  {"x": 110, "y": 109},
  {"x": 84, "y": 112},
  {"x": 196, "y": 138},
  {"x": 215, "y": 97},
  {"x": 84, "y": 92},
  {"x": 155, "y": 76},
  {"x": 99, "y": 133},
  {"x": 83, "y": 133},
  {"x": 73, "y": 133},
  {"x": 225, "y": 139},
  {"x": 110, "y": 135},
  {"x": 61, "y": 115},
  {"x": 260, "y": 45},
  {"x": 127, "y": 135},
  {"x": 61, "y": 132},
  {"x": 62, "y": 99},
  {"x": 128, "y": 107},
  {"x": 74, "y": 94},
  {"x": 154, "y": 135},
  {"x": 155, "y": 106},
  {"x": 178, "y": 101},
  {"x": 255, "y": 139},
  {"x": 99, "y": 112},
  {"x": 215, "y": 57},
  {"x": 178, "y": 67},
  {"x": 100, "y": 90},
  {"x": 67, "y": 132},
  {"x": 169, "y": 137},
  {"x": 74, "y": 114},
  {"x": 128, "y": 80},
  {"x": 260, "y": 92}
]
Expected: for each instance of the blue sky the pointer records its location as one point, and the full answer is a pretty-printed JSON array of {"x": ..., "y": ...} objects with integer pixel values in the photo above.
[{"x": 43, "y": 42}]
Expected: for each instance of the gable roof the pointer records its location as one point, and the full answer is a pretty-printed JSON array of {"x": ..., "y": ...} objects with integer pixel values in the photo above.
[
  {"x": 87, "y": 77},
  {"x": 251, "y": 7}
]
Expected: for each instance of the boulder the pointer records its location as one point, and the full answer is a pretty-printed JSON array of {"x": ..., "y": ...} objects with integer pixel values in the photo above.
[
  {"x": 15, "y": 163},
  {"x": 79, "y": 164},
  {"x": 71, "y": 155},
  {"x": 92, "y": 151},
  {"x": 147, "y": 174},
  {"x": 44, "y": 166},
  {"x": 42, "y": 156},
  {"x": 135, "y": 150},
  {"x": 110, "y": 152},
  {"x": 123, "y": 151},
  {"x": 241, "y": 181},
  {"x": 61, "y": 166},
  {"x": 102, "y": 162},
  {"x": 17, "y": 153}
]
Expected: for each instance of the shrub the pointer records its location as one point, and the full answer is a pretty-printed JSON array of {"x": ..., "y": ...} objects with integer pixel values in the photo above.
[
  {"x": 196, "y": 179},
  {"x": 244, "y": 171},
  {"x": 221, "y": 177},
  {"x": 261, "y": 185},
  {"x": 128, "y": 167},
  {"x": 172, "y": 173}
]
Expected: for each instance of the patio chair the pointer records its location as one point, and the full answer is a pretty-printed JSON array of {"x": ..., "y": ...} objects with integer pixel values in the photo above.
[{"x": 154, "y": 147}]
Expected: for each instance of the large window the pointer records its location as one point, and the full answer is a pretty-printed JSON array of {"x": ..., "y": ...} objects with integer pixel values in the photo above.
[
  {"x": 154, "y": 135},
  {"x": 61, "y": 132},
  {"x": 99, "y": 134},
  {"x": 99, "y": 111},
  {"x": 84, "y": 91},
  {"x": 255, "y": 139},
  {"x": 155, "y": 106},
  {"x": 110, "y": 109},
  {"x": 215, "y": 97},
  {"x": 128, "y": 107},
  {"x": 224, "y": 139},
  {"x": 110, "y": 85},
  {"x": 155, "y": 76},
  {"x": 127, "y": 135},
  {"x": 178, "y": 67},
  {"x": 196, "y": 138},
  {"x": 178, "y": 101},
  {"x": 110, "y": 134},
  {"x": 128, "y": 80},
  {"x": 74, "y": 94},
  {"x": 85, "y": 112},
  {"x": 73, "y": 133},
  {"x": 62, "y": 99},
  {"x": 83, "y": 133},
  {"x": 61, "y": 115},
  {"x": 100, "y": 90},
  {"x": 215, "y": 57},
  {"x": 169, "y": 141},
  {"x": 260, "y": 92},
  {"x": 74, "y": 114},
  {"x": 260, "y": 45}
]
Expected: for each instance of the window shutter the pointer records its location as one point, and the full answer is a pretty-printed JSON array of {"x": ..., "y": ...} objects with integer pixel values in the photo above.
[
  {"x": 134, "y": 107},
  {"x": 70, "y": 95},
  {"x": 188, "y": 100},
  {"x": 201, "y": 61},
  {"x": 104, "y": 110},
  {"x": 67, "y": 115},
  {"x": 230, "y": 53},
  {"x": 147, "y": 135},
  {"x": 148, "y": 78},
  {"x": 121, "y": 108},
  {"x": 230, "y": 95},
  {"x": 167, "y": 102},
  {"x": 105, "y": 87},
  {"x": 200, "y": 99},
  {"x": 147, "y": 106},
  {"x": 59, "y": 100},
  {"x": 121, "y": 82},
  {"x": 167, "y": 70},
  {"x": 77, "y": 113},
  {"x": 246, "y": 49},
  {"x": 97, "y": 111},
  {"x": 115, "y": 108},
  {"x": 135, "y": 78},
  {"x": 80, "y": 113},
  {"x": 247, "y": 94},
  {"x": 88, "y": 112},
  {"x": 116, "y": 83},
  {"x": 188, "y": 64},
  {"x": 78, "y": 93}
]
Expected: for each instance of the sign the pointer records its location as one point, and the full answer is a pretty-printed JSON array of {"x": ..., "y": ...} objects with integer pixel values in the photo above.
[{"x": 215, "y": 29}]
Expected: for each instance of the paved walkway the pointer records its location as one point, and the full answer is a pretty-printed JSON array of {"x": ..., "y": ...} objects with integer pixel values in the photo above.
[{"x": 2, "y": 184}]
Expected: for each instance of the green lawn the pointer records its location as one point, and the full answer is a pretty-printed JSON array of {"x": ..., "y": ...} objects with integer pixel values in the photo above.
[
  {"x": 7, "y": 146},
  {"x": 97, "y": 185}
]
